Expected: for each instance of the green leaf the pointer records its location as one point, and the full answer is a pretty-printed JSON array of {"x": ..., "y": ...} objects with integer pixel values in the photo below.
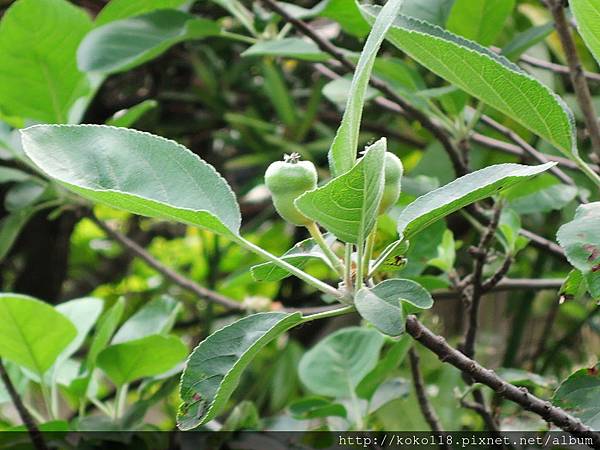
[
  {"x": 128, "y": 117},
  {"x": 316, "y": 407},
  {"x": 587, "y": 16},
  {"x": 295, "y": 48},
  {"x": 121, "y": 9},
  {"x": 392, "y": 359},
  {"x": 10, "y": 227},
  {"x": 480, "y": 21},
  {"x": 39, "y": 78},
  {"x": 244, "y": 416},
  {"x": 435, "y": 12},
  {"x": 214, "y": 368},
  {"x": 527, "y": 39},
  {"x": 580, "y": 394},
  {"x": 347, "y": 206},
  {"x": 336, "y": 91},
  {"x": 276, "y": 89},
  {"x": 383, "y": 305},
  {"x": 542, "y": 194},
  {"x": 145, "y": 357},
  {"x": 104, "y": 330},
  {"x": 136, "y": 172},
  {"x": 461, "y": 192},
  {"x": 335, "y": 366},
  {"x": 33, "y": 333},
  {"x": 446, "y": 253},
  {"x": 342, "y": 153},
  {"x": 24, "y": 195},
  {"x": 106, "y": 327},
  {"x": 573, "y": 287},
  {"x": 298, "y": 256},
  {"x": 485, "y": 75},
  {"x": 580, "y": 239},
  {"x": 156, "y": 317},
  {"x": 83, "y": 313},
  {"x": 8, "y": 175},
  {"x": 387, "y": 392},
  {"x": 347, "y": 15},
  {"x": 127, "y": 43}
]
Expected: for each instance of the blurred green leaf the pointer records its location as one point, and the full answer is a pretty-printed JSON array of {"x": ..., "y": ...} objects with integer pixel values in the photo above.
[
  {"x": 155, "y": 317},
  {"x": 145, "y": 357},
  {"x": 127, "y": 43},
  {"x": 33, "y": 333},
  {"x": 335, "y": 366},
  {"x": 480, "y": 21},
  {"x": 40, "y": 80},
  {"x": 587, "y": 16},
  {"x": 128, "y": 117},
  {"x": 121, "y": 9}
]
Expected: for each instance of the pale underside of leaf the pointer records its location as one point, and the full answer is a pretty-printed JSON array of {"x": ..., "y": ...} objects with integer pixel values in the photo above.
[
  {"x": 461, "y": 192},
  {"x": 136, "y": 172}
]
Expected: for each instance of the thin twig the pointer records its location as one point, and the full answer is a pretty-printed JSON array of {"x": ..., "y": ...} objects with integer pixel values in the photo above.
[
  {"x": 480, "y": 254},
  {"x": 519, "y": 395},
  {"x": 426, "y": 409},
  {"x": 169, "y": 273},
  {"x": 527, "y": 148},
  {"x": 517, "y": 150},
  {"x": 34, "y": 432},
  {"x": 558, "y": 68},
  {"x": 580, "y": 85},
  {"x": 546, "y": 65}
]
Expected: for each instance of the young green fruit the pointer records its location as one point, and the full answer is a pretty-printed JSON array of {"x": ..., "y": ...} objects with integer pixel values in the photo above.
[
  {"x": 287, "y": 180},
  {"x": 392, "y": 184}
]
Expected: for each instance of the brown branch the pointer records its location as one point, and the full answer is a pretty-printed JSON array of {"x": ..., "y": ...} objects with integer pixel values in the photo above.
[
  {"x": 527, "y": 148},
  {"x": 520, "y": 396},
  {"x": 582, "y": 90},
  {"x": 558, "y": 68},
  {"x": 178, "y": 279},
  {"x": 34, "y": 432},
  {"x": 426, "y": 409},
  {"x": 517, "y": 150},
  {"x": 542, "y": 243},
  {"x": 480, "y": 254},
  {"x": 490, "y": 283}
]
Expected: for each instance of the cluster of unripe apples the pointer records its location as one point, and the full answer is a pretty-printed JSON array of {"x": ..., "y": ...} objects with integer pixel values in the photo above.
[{"x": 289, "y": 179}]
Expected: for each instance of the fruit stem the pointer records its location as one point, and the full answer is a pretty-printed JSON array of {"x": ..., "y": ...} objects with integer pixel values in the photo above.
[
  {"x": 309, "y": 279},
  {"x": 315, "y": 233},
  {"x": 369, "y": 252},
  {"x": 331, "y": 313}
]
